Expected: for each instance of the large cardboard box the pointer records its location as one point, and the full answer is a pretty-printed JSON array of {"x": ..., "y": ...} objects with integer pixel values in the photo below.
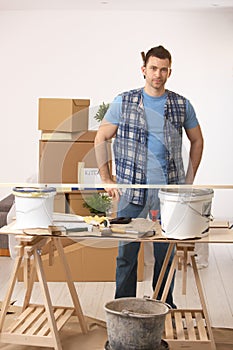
[
  {"x": 59, "y": 159},
  {"x": 90, "y": 261},
  {"x": 61, "y": 114}
]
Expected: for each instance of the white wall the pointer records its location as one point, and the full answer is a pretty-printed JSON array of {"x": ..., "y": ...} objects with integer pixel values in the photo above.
[{"x": 97, "y": 55}]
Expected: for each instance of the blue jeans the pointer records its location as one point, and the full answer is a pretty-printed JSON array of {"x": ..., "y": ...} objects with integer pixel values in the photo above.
[{"x": 127, "y": 260}]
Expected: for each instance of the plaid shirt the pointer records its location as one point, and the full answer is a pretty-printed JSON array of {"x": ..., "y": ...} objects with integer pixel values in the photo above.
[{"x": 130, "y": 146}]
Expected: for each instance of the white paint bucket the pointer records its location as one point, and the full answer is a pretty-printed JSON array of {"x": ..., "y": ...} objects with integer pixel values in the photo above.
[
  {"x": 34, "y": 206},
  {"x": 185, "y": 213}
]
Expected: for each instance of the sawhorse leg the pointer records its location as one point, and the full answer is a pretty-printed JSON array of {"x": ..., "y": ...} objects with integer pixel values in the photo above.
[
  {"x": 71, "y": 286},
  {"x": 162, "y": 274},
  {"x": 12, "y": 282},
  {"x": 39, "y": 325},
  {"x": 202, "y": 300},
  {"x": 47, "y": 300},
  {"x": 185, "y": 248}
]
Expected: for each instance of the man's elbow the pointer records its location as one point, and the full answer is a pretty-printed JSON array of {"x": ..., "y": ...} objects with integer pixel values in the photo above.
[
  {"x": 99, "y": 138},
  {"x": 200, "y": 144}
]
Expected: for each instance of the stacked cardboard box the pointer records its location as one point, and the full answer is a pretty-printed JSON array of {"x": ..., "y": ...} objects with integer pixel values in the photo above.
[
  {"x": 63, "y": 123},
  {"x": 59, "y": 160},
  {"x": 63, "y": 115}
]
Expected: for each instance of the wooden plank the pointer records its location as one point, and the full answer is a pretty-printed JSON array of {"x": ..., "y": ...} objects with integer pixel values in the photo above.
[
  {"x": 185, "y": 262},
  {"x": 26, "y": 340},
  {"x": 20, "y": 319},
  {"x": 179, "y": 326},
  {"x": 46, "y": 329},
  {"x": 189, "y": 345},
  {"x": 29, "y": 320},
  {"x": 37, "y": 325},
  {"x": 64, "y": 318},
  {"x": 201, "y": 326},
  {"x": 169, "y": 327},
  {"x": 190, "y": 326}
]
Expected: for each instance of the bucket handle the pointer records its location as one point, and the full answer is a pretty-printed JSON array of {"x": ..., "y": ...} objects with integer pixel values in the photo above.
[
  {"x": 209, "y": 216},
  {"x": 158, "y": 301},
  {"x": 126, "y": 312}
]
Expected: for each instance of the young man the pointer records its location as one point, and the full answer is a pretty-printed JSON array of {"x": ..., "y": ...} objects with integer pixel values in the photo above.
[{"x": 147, "y": 123}]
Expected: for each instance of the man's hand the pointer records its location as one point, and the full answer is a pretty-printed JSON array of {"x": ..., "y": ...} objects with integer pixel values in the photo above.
[{"x": 112, "y": 191}]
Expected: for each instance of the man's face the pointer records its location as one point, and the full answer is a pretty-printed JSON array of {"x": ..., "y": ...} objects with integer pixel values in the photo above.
[{"x": 156, "y": 72}]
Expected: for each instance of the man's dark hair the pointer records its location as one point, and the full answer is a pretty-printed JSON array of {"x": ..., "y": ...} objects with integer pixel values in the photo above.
[{"x": 158, "y": 51}]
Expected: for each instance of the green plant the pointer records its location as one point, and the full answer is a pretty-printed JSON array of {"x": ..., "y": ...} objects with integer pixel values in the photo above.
[
  {"x": 98, "y": 203},
  {"x": 101, "y": 111}
]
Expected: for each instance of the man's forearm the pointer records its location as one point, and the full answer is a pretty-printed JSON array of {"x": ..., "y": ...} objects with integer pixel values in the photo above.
[
  {"x": 194, "y": 160},
  {"x": 102, "y": 158}
]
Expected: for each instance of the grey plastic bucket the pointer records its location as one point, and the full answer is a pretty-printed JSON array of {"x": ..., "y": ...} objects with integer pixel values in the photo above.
[{"x": 135, "y": 323}]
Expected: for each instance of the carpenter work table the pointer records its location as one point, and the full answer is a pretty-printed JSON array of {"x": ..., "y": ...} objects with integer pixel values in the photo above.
[{"x": 39, "y": 325}]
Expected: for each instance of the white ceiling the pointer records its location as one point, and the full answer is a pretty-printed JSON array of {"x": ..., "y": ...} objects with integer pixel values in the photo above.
[{"x": 121, "y": 5}]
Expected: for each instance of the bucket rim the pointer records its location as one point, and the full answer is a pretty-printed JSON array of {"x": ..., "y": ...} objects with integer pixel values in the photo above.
[
  {"x": 33, "y": 191},
  {"x": 127, "y": 313},
  {"x": 187, "y": 193}
]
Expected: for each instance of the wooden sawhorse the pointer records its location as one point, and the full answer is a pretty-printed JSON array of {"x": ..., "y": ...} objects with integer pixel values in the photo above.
[
  {"x": 38, "y": 325},
  {"x": 185, "y": 328}
]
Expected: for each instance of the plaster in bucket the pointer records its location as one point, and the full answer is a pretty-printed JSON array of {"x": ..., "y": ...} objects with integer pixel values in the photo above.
[
  {"x": 34, "y": 206},
  {"x": 185, "y": 213},
  {"x": 135, "y": 323}
]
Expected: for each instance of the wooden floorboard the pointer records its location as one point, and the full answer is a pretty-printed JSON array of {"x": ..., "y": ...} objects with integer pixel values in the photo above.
[
  {"x": 230, "y": 248},
  {"x": 222, "y": 256},
  {"x": 108, "y": 295},
  {"x": 190, "y": 299},
  {"x": 214, "y": 288}
]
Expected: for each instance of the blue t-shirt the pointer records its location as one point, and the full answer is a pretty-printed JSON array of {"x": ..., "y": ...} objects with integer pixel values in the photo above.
[{"x": 154, "y": 112}]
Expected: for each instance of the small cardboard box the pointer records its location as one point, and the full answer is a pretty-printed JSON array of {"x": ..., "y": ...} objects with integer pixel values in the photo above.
[
  {"x": 59, "y": 159},
  {"x": 76, "y": 200},
  {"x": 65, "y": 115}
]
